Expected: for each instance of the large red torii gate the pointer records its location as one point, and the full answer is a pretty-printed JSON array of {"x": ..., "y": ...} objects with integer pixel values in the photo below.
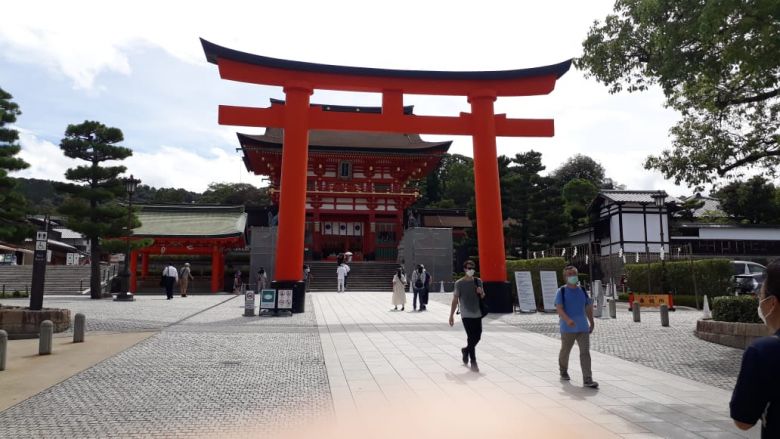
[{"x": 297, "y": 117}]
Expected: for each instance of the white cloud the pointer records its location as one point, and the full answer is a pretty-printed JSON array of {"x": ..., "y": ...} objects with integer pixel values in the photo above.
[
  {"x": 169, "y": 166},
  {"x": 87, "y": 41}
]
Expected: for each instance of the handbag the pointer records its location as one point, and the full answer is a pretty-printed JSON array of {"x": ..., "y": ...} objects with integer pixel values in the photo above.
[{"x": 483, "y": 307}]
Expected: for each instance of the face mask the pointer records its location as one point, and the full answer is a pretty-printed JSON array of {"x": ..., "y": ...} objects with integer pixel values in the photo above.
[
  {"x": 307, "y": 270},
  {"x": 572, "y": 280},
  {"x": 470, "y": 272},
  {"x": 761, "y": 313}
]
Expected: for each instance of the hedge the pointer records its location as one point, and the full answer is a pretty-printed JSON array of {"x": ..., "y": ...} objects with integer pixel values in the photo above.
[
  {"x": 534, "y": 266},
  {"x": 713, "y": 277},
  {"x": 742, "y": 309}
]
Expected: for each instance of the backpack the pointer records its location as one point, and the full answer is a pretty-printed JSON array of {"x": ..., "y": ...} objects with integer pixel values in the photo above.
[{"x": 420, "y": 282}]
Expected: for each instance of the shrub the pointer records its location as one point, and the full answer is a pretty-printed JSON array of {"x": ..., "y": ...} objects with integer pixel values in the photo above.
[
  {"x": 713, "y": 277},
  {"x": 741, "y": 309},
  {"x": 17, "y": 293},
  {"x": 534, "y": 266}
]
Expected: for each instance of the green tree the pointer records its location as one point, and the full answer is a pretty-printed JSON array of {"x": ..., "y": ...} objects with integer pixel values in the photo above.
[
  {"x": 235, "y": 194},
  {"x": 577, "y": 196},
  {"x": 534, "y": 204},
  {"x": 13, "y": 207},
  {"x": 92, "y": 208},
  {"x": 579, "y": 167},
  {"x": 717, "y": 63},
  {"x": 752, "y": 201}
]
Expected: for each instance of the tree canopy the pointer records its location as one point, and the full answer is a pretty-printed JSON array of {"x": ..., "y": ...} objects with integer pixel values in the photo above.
[
  {"x": 579, "y": 167},
  {"x": 717, "y": 63},
  {"x": 753, "y": 201},
  {"x": 12, "y": 203},
  {"x": 91, "y": 208},
  {"x": 235, "y": 194}
]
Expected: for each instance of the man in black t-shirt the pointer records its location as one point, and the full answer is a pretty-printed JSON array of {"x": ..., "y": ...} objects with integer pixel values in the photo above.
[{"x": 757, "y": 393}]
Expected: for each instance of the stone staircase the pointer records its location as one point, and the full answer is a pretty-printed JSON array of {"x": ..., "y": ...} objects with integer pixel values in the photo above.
[
  {"x": 363, "y": 276},
  {"x": 60, "y": 279}
]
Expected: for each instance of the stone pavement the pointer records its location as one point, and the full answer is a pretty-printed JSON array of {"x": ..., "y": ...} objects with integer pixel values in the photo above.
[
  {"x": 674, "y": 349},
  {"x": 373, "y": 354},
  {"x": 210, "y": 372},
  {"x": 215, "y": 374}
]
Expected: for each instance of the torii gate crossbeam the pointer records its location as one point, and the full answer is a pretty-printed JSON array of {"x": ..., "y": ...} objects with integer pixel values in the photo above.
[{"x": 297, "y": 117}]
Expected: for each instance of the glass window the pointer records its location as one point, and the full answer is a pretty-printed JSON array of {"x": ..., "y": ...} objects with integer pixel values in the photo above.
[{"x": 755, "y": 268}]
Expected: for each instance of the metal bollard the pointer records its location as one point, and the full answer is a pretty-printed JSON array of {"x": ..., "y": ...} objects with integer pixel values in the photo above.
[
  {"x": 635, "y": 309},
  {"x": 664, "y": 315},
  {"x": 79, "y": 324},
  {"x": 3, "y": 348},
  {"x": 613, "y": 308},
  {"x": 47, "y": 331}
]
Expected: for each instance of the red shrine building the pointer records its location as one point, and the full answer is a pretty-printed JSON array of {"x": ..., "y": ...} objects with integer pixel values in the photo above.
[{"x": 357, "y": 184}]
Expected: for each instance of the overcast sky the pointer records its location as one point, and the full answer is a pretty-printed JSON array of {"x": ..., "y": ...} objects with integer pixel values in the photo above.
[{"x": 139, "y": 66}]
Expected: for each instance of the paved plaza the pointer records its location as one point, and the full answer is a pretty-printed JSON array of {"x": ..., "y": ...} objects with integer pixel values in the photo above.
[{"x": 349, "y": 367}]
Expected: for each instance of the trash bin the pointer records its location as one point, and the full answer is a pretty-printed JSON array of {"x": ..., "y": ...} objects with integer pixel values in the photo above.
[{"x": 299, "y": 298}]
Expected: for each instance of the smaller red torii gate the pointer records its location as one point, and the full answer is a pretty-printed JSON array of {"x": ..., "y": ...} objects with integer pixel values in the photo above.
[
  {"x": 297, "y": 117},
  {"x": 214, "y": 247}
]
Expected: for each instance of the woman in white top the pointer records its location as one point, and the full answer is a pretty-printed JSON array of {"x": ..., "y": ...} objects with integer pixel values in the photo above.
[{"x": 399, "y": 290}]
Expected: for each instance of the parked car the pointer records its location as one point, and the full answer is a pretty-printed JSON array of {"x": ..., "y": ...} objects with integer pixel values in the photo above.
[{"x": 748, "y": 276}]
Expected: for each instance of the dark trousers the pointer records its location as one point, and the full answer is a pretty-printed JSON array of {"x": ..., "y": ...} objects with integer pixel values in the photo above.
[
  {"x": 422, "y": 293},
  {"x": 169, "y": 281},
  {"x": 473, "y": 328}
]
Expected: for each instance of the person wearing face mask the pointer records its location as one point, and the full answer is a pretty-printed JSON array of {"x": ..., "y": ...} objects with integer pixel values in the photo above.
[
  {"x": 576, "y": 321},
  {"x": 757, "y": 393},
  {"x": 468, "y": 291}
]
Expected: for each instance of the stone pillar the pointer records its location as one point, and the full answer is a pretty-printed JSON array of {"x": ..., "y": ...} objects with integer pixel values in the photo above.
[
  {"x": 44, "y": 343},
  {"x": 79, "y": 326}
]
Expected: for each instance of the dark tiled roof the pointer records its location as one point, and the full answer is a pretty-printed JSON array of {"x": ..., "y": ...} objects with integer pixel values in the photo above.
[{"x": 630, "y": 196}]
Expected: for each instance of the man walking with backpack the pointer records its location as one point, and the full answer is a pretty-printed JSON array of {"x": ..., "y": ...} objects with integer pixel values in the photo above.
[
  {"x": 575, "y": 310},
  {"x": 420, "y": 283}
]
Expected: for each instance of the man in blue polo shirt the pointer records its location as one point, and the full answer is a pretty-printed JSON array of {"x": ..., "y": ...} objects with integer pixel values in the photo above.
[
  {"x": 576, "y": 313},
  {"x": 757, "y": 393}
]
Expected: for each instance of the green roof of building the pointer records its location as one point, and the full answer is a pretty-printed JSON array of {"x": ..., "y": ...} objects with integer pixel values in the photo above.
[{"x": 190, "y": 221}]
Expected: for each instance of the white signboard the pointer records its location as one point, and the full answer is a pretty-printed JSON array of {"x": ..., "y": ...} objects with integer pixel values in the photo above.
[
  {"x": 549, "y": 288},
  {"x": 40, "y": 236},
  {"x": 249, "y": 300},
  {"x": 40, "y": 245},
  {"x": 72, "y": 259},
  {"x": 525, "y": 291},
  {"x": 284, "y": 300}
]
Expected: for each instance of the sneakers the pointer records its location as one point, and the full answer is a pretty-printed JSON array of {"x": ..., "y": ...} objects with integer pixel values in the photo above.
[
  {"x": 465, "y": 356},
  {"x": 474, "y": 367},
  {"x": 590, "y": 383},
  {"x": 565, "y": 376}
]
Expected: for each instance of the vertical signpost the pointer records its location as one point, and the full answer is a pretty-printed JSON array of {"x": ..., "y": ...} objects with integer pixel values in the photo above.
[{"x": 39, "y": 268}]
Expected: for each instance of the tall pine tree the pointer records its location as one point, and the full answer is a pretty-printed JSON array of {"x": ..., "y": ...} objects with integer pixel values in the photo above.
[
  {"x": 13, "y": 226},
  {"x": 534, "y": 203},
  {"x": 92, "y": 208}
]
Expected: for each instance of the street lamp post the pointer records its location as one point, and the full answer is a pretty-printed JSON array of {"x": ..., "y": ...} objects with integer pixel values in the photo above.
[
  {"x": 660, "y": 201},
  {"x": 131, "y": 184}
]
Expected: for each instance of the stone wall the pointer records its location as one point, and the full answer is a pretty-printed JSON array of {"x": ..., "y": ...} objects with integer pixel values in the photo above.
[
  {"x": 22, "y": 322},
  {"x": 736, "y": 335}
]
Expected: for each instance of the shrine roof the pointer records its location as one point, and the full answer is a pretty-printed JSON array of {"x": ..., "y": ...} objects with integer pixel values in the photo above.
[
  {"x": 215, "y": 52},
  {"x": 352, "y": 140},
  {"x": 201, "y": 221}
]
